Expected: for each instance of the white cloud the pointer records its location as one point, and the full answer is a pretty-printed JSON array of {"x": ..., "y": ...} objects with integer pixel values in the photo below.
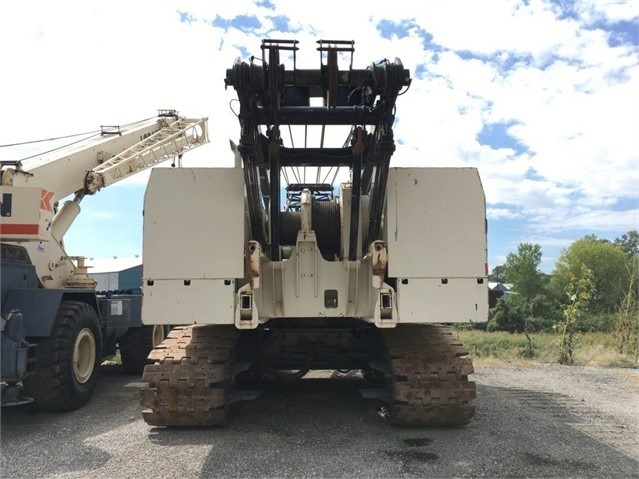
[
  {"x": 501, "y": 213},
  {"x": 569, "y": 97},
  {"x": 594, "y": 220},
  {"x": 609, "y": 10}
]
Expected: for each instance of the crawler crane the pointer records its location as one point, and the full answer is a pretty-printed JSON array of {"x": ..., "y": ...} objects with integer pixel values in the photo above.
[{"x": 280, "y": 271}]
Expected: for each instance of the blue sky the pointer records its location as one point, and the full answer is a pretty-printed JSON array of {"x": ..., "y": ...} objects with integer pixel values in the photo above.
[{"x": 541, "y": 96}]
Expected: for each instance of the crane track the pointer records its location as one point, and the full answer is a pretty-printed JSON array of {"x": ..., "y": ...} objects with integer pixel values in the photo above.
[
  {"x": 190, "y": 380},
  {"x": 429, "y": 377}
]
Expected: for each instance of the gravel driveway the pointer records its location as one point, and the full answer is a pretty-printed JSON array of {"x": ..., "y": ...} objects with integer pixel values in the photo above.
[{"x": 532, "y": 421}]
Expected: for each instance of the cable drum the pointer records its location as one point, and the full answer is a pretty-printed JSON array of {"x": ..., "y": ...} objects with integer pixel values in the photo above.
[
  {"x": 326, "y": 223},
  {"x": 290, "y": 224}
]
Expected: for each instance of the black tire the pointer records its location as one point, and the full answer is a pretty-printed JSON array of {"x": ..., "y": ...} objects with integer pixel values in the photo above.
[
  {"x": 68, "y": 362},
  {"x": 136, "y": 345}
]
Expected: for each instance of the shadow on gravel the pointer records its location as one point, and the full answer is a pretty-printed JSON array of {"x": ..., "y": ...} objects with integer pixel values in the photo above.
[
  {"x": 324, "y": 428},
  {"x": 294, "y": 411},
  {"x": 313, "y": 426},
  {"x": 319, "y": 427}
]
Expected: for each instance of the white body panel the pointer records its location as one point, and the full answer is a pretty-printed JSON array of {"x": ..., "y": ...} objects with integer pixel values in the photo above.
[
  {"x": 436, "y": 226},
  {"x": 436, "y": 223},
  {"x": 427, "y": 300},
  {"x": 194, "y": 226},
  {"x": 435, "y": 255},
  {"x": 170, "y": 301},
  {"x": 193, "y": 245}
]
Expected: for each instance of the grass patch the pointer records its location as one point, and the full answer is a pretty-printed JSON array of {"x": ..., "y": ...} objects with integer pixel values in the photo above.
[
  {"x": 486, "y": 348},
  {"x": 115, "y": 359},
  {"x": 590, "y": 349}
]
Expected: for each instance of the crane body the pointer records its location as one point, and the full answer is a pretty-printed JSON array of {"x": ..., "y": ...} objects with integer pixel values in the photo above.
[
  {"x": 56, "y": 328},
  {"x": 280, "y": 271}
]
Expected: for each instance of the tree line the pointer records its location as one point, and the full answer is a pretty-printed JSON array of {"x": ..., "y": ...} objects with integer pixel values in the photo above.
[{"x": 593, "y": 287}]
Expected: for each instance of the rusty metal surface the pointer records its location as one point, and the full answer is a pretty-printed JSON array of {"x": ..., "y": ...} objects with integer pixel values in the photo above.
[
  {"x": 430, "y": 385},
  {"x": 187, "y": 384},
  {"x": 252, "y": 264},
  {"x": 379, "y": 255}
]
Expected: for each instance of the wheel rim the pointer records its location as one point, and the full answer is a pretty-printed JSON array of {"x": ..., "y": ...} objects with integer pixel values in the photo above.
[
  {"x": 157, "y": 336},
  {"x": 83, "y": 355}
]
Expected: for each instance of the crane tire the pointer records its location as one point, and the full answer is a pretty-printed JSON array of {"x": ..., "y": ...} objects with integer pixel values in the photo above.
[
  {"x": 68, "y": 361},
  {"x": 136, "y": 345}
]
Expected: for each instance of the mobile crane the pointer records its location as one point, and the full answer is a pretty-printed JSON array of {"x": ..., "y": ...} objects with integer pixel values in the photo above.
[
  {"x": 363, "y": 276},
  {"x": 55, "y": 328}
]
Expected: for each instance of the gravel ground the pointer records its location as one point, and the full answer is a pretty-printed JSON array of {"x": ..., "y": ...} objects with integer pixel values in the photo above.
[
  {"x": 600, "y": 402},
  {"x": 532, "y": 421}
]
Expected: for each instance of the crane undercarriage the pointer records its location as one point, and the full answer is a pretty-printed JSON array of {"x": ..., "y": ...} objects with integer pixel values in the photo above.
[{"x": 200, "y": 370}]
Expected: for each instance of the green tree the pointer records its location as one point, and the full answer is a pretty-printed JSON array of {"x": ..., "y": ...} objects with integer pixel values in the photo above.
[
  {"x": 508, "y": 315},
  {"x": 517, "y": 315},
  {"x": 497, "y": 274},
  {"x": 608, "y": 264},
  {"x": 579, "y": 290},
  {"x": 626, "y": 327},
  {"x": 629, "y": 242},
  {"x": 522, "y": 270}
]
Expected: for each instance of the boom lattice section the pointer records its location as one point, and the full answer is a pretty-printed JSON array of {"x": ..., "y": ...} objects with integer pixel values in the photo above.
[{"x": 173, "y": 139}]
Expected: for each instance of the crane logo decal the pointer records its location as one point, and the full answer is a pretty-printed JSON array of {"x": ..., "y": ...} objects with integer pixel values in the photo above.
[
  {"x": 45, "y": 200},
  {"x": 148, "y": 134}
]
